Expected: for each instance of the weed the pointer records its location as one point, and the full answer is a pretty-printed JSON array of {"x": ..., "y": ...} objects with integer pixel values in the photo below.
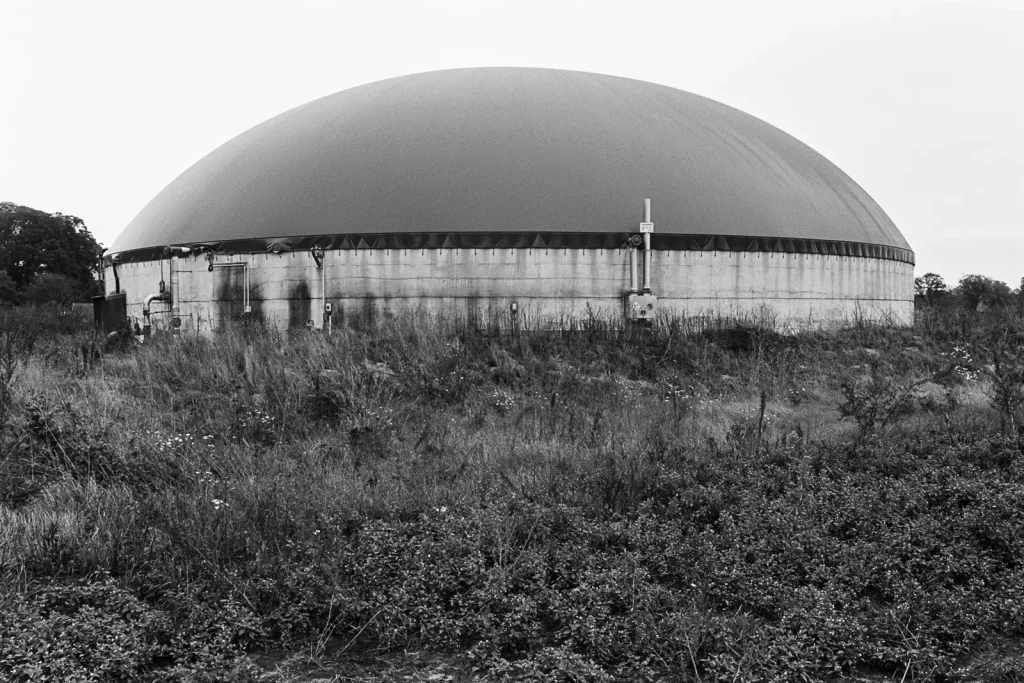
[
  {"x": 877, "y": 401},
  {"x": 1007, "y": 387}
]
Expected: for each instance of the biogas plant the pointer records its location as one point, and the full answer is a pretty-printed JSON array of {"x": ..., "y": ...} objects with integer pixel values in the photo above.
[{"x": 511, "y": 191}]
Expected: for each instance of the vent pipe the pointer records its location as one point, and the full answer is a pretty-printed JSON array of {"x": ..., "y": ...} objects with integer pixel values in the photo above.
[
  {"x": 647, "y": 227},
  {"x": 114, "y": 260},
  {"x": 634, "y": 280},
  {"x": 162, "y": 296},
  {"x": 172, "y": 253}
]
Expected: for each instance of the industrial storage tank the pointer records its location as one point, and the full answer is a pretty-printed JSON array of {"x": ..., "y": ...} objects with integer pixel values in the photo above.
[{"x": 511, "y": 190}]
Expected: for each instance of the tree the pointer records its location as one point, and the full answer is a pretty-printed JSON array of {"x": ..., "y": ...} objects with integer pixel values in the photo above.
[
  {"x": 8, "y": 292},
  {"x": 49, "y": 288},
  {"x": 930, "y": 288},
  {"x": 974, "y": 290},
  {"x": 34, "y": 242}
]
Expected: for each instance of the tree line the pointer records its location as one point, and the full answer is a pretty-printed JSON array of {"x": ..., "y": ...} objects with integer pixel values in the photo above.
[
  {"x": 975, "y": 292},
  {"x": 46, "y": 257}
]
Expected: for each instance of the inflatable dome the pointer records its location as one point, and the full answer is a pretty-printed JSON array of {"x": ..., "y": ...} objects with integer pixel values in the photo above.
[{"x": 514, "y": 190}]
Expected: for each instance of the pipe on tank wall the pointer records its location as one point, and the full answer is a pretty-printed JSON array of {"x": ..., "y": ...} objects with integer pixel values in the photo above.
[
  {"x": 173, "y": 253},
  {"x": 647, "y": 263},
  {"x": 323, "y": 299},
  {"x": 328, "y": 316},
  {"x": 114, "y": 260},
  {"x": 647, "y": 246},
  {"x": 634, "y": 280},
  {"x": 317, "y": 253},
  {"x": 146, "y": 303}
]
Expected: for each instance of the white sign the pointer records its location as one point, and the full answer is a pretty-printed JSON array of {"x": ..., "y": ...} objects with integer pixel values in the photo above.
[{"x": 647, "y": 227}]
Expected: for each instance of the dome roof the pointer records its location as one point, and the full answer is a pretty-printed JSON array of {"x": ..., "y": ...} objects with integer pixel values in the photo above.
[{"x": 488, "y": 151}]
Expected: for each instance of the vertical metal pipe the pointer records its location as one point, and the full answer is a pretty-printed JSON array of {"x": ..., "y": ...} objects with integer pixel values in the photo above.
[
  {"x": 647, "y": 263},
  {"x": 175, "y": 307},
  {"x": 318, "y": 254},
  {"x": 633, "y": 278},
  {"x": 647, "y": 246},
  {"x": 174, "y": 271}
]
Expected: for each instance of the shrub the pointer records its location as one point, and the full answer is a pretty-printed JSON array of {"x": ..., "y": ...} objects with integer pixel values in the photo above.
[
  {"x": 876, "y": 402},
  {"x": 94, "y": 630}
]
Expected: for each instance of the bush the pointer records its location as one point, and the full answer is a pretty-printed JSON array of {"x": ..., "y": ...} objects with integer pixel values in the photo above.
[
  {"x": 94, "y": 630},
  {"x": 49, "y": 288}
]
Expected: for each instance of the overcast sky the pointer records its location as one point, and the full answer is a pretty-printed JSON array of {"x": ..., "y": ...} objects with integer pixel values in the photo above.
[{"x": 921, "y": 102}]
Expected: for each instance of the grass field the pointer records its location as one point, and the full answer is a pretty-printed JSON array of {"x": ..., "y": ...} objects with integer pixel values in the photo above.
[{"x": 418, "y": 499}]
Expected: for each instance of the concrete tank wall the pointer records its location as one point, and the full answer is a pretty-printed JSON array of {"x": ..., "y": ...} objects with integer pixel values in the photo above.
[{"x": 287, "y": 289}]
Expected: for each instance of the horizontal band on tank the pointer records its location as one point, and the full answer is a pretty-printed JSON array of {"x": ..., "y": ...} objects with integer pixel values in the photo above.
[{"x": 530, "y": 240}]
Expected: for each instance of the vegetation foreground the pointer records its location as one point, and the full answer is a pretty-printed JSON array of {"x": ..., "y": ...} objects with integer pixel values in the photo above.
[{"x": 706, "y": 500}]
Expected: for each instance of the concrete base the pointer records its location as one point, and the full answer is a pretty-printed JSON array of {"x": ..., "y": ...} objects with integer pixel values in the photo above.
[{"x": 288, "y": 290}]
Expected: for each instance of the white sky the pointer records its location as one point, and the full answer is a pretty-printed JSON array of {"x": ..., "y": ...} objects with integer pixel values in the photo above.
[{"x": 922, "y": 103}]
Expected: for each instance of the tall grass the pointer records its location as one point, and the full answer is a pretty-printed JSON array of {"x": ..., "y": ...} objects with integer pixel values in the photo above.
[{"x": 521, "y": 493}]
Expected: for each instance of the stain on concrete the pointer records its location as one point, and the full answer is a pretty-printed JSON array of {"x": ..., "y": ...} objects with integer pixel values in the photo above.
[
  {"x": 369, "y": 312},
  {"x": 300, "y": 305},
  {"x": 229, "y": 293}
]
